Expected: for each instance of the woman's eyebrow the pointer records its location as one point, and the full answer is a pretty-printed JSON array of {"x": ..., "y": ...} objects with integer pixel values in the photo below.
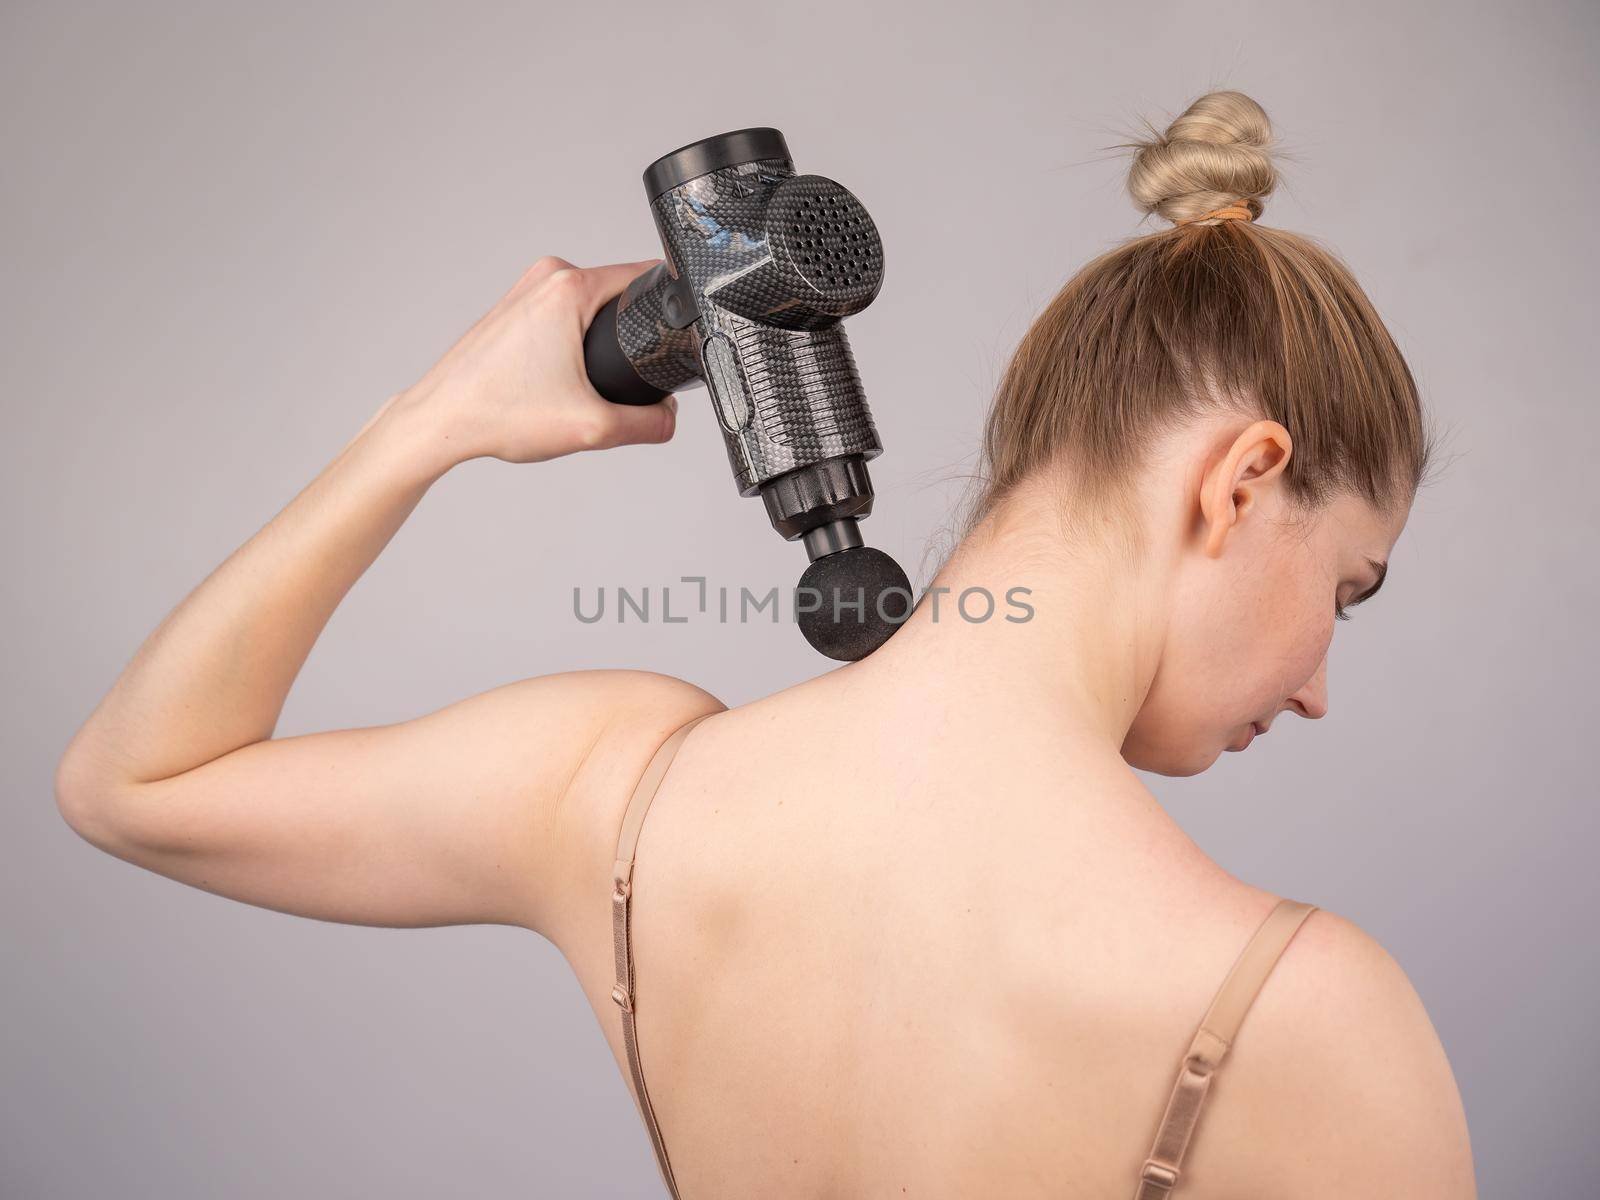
[{"x": 1381, "y": 570}]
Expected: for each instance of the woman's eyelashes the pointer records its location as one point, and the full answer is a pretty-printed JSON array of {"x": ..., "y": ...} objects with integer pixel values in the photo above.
[{"x": 1342, "y": 611}]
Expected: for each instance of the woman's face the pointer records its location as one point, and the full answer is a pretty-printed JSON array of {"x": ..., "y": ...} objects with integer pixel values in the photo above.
[{"x": 1250, "y": 628}]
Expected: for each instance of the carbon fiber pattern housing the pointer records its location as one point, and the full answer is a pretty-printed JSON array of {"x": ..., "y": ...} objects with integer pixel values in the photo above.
[{"x": 761, "y": 265}]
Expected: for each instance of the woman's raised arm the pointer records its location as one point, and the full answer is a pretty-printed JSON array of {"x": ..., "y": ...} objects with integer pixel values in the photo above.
[{"x": 451, "y": 818}]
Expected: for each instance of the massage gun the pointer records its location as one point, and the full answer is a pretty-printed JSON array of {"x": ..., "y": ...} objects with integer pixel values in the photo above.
[{"x": 761, "y": 266}]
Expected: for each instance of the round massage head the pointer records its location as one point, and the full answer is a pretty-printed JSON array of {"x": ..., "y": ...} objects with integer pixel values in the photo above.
[{"x": 850, "y": 602}]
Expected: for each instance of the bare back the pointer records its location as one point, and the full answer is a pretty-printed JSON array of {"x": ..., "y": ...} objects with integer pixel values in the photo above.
[{"x": 902, "y": 967}]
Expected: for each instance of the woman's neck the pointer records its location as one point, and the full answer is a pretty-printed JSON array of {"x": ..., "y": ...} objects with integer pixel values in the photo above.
[{"x": 1058, "y": 643}]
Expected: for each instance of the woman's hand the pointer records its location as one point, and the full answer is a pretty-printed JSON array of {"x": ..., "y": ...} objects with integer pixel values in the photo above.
[{"x": 514, "y": 387}]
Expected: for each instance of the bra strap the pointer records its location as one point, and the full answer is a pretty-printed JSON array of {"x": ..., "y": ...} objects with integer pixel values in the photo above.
[
  {"x": 1218, "y": 1029},
  {"x": 621, "y": 911}
]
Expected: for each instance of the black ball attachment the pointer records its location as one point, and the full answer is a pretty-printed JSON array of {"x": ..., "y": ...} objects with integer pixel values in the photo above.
[{"x": 848, "y": 603}]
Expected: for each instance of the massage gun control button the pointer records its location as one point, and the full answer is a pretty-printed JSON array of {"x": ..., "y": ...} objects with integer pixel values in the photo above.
[
  {"x": 680, "y": 314},
  {"x": 725, "y": 382}
]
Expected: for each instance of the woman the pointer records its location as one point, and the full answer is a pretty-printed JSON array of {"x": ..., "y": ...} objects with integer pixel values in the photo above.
[{"x": 966, "y": 953}]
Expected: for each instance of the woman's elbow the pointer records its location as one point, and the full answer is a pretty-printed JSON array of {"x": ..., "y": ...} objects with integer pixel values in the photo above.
[{"x": 90, "y": 800}]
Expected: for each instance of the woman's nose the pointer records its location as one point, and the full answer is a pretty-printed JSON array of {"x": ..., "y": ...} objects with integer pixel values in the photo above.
[{"x": 1311, "y": 700}]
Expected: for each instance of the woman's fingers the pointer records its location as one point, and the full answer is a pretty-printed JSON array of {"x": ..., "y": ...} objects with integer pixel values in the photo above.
[
  {"x": 601, "y": 284},
  {"x": 542, "y": 270},
  {"x": 514, "y": 387}
]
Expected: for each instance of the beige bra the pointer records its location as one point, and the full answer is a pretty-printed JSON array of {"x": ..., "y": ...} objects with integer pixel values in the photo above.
[{"x": 1159, "y": 1174}]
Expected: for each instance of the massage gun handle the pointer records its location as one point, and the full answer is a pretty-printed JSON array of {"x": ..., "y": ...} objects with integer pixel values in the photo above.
[
  {"x": 610, "y": 372},
  {"x": 651, "y": 323}
]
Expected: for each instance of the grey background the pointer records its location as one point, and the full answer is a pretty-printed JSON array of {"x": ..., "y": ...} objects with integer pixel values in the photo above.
[{"x": 230, "y": 232}]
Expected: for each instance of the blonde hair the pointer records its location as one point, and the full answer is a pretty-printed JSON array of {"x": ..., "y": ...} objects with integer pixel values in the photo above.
[{"x": 1216, "y": 314}]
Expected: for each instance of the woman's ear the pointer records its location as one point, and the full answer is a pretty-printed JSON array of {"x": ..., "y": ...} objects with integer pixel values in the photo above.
[{"x": 1229, "y": 486}]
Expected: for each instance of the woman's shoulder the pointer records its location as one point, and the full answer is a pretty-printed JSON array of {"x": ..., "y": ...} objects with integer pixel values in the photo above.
[
  {"x": 629, "y": 714},
  {"x": 1337, "y": 1083},
  {"x": 616, "y": 720}
]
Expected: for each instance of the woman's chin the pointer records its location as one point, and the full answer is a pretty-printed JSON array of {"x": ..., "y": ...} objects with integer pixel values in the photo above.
[{"x": 1170, "y": 762}]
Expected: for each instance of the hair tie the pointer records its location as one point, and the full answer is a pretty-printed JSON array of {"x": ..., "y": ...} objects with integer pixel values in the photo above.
[{"x": 1234, "y": 210}]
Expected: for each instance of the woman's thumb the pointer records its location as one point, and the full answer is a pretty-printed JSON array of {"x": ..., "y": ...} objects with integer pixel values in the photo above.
[{"x": 645, "y": 423}]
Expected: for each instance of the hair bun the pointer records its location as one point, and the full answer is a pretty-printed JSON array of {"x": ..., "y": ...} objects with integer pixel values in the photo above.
[{"x": 1214, "y": 153}]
